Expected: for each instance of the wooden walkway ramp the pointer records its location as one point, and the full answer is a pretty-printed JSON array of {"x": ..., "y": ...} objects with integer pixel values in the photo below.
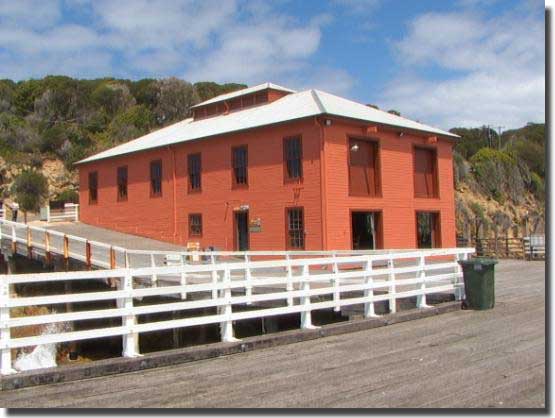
[{"x": 492, "y": 358}]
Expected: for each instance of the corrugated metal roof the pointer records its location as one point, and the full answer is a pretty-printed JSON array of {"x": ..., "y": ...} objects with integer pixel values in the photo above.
[
  {"x": 243, "y": 92},
  {"x": 292, "y": 106}
]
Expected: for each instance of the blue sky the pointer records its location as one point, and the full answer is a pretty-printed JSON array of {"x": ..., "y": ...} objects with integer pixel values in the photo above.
[{"x": 447, "y": 63}]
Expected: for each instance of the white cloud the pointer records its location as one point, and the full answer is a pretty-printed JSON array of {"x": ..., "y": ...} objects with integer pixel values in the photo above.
[
  {"x": 255, "y": 51},
  {"x": 29, "y": 13},
  {"x": 495, "y": 70},
  {"x": 229, "y": 40}
]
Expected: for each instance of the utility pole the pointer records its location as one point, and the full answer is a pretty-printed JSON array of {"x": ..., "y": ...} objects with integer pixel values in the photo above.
[{"x": 499, "y": 130}]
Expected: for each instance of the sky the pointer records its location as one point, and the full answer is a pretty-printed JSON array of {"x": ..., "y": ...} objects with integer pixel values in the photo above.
[{"x": 448, "y": 63}]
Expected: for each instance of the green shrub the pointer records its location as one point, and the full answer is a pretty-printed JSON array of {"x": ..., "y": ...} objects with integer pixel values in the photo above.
[
  {"x": 537, "y": 186},
  {"x": 29, "y": 189},
  {"x": 499, "y": 175},
  {"x": 68, "y": 196}
]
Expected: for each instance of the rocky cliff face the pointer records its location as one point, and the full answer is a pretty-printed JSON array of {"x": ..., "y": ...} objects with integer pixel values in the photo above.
[{"x": 59, "y": 177}]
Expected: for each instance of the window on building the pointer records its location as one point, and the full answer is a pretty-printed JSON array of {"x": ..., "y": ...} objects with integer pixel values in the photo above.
[
  {"x": 247, "y": 101},
  {"x": 295, "y": 228},
  {"x": 261, "y": 97},
  {"x": 195, "y": 225},
  {"x": 240, "y": 166},
  {"x": 363, "y": 168},
  {"x": 427, "y": 230},
  {"x": 156, "y": 178},
  {"x": 93, "y": 187},
  {"x": 425, "y": 173},
  {"x": 293, "y": 157},
  {"x": 211, "y": 110},
  {"x": 194, "y": 167},
  {"x": 235, "y": 104},
  {"x": 122, "y": 183}
]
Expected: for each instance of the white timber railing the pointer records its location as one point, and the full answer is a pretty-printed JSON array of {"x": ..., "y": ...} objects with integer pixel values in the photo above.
[
  {"x": 534, "y": 246},
  {"x": 292, "y": 285},
  {"x": 30, "y": 240},
  {"x": 70, "y": 212}
]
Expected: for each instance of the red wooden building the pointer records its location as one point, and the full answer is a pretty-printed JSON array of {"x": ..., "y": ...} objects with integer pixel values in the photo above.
[{"x": 267, "y": 168}]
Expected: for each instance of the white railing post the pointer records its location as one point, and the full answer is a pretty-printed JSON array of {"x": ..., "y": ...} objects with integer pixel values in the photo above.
[
  {"x": 14, "y": 239},
  {"x": 6, "y": 354},
  {"x": 248, "y": 278},
  {"x": 76, "y": 209},
  {"x": 226, "y": 327},
  {"x": 369, "y": 292},
  {"x": 289, "y": 280},
  {"x": 183, "y": 281},
  {"x": 459, "y": 284},
  {"x": 214, "y": 276},
  {"x": 48, "y": 212},
  {"x": 130, "y": 339},
  {"x": 154, "y": 277},
  {"x": 335, "y": 282},
  {"x": 392, "y": 287},
  {"x": 306, "y": 314},
  {"x": 421, "y": 299}
]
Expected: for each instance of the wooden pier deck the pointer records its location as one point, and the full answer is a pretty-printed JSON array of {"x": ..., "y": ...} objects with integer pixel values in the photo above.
[
  {"x": 493, "y": 358},
  {"x": 119, "y": 239}
]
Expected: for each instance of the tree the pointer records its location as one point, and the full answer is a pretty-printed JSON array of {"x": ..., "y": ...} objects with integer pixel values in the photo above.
[
  {"x": 30, "y": 189},
  {"x": 130, "y": 124},
  {"x": 175, "y": 98},
  {"x": 146, "y": 92},
  {"x": 112, "y": 97},
  {"x": 208, "y": 89},
  {"x": 394, "y": 112},
  {"x": 472, "y": 140}
]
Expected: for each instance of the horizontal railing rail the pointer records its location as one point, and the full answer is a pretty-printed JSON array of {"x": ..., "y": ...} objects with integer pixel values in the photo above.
[
  {"x": 28, "y": 240},
  {"x": 292, "y": 285},
  {"x": 70, "y": 212}
]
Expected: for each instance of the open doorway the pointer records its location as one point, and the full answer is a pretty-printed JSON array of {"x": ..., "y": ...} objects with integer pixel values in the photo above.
[
  {"x": 241, "y": 230},
  {"x": 366, "y": 230},
  {"x": 428, "y": 230}
]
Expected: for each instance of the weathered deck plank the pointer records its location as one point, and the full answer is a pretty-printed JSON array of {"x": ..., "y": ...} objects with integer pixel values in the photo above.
[{"x": 490, "y": 358}]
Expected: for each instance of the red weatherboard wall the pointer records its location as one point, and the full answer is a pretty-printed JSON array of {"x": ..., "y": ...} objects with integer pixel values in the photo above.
[
  {"x": 397, "y": 203},
  {"x": 267, "y": 195}
]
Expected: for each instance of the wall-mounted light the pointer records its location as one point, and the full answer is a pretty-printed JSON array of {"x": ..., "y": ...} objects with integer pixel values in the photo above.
[
  {"x": 401, "y": 134},
  {"x": 354, "y": 148},
  {"x": 328, "y": 122}
]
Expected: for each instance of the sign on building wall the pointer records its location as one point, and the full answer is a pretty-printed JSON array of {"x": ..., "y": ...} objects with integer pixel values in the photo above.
[{"x": 255, "y": 225}]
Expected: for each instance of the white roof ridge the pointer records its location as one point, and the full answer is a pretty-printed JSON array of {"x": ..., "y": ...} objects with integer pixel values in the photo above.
[
  {"x": 319, "y": 103},
  {"x": 422, "y": 126},
  {"x": 308, "y": 103},
  {"x": 241, "y": 92}
]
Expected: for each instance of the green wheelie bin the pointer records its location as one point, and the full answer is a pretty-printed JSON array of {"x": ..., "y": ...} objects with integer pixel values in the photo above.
[{"x": 479, "y": 282}]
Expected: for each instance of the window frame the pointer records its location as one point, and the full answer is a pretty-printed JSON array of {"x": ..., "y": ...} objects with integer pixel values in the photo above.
[
  {"x": 190, "y": 188},
  {"x": 191, "y": 233},
  {"x": 121, "y": 198},
  {"x": 375, "y": 142},
  {"x": 378, "y": 225},
  {"x": 435, "y": 174},
  {"x": 286, "y": 177},
  {"x": 93, "y": 174},
  {"x": 234, "y": 183},
  {"x": 288, "y": 245},
  {"x": 436, "y": 232},
  {"x": 153, "y": 193}
]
